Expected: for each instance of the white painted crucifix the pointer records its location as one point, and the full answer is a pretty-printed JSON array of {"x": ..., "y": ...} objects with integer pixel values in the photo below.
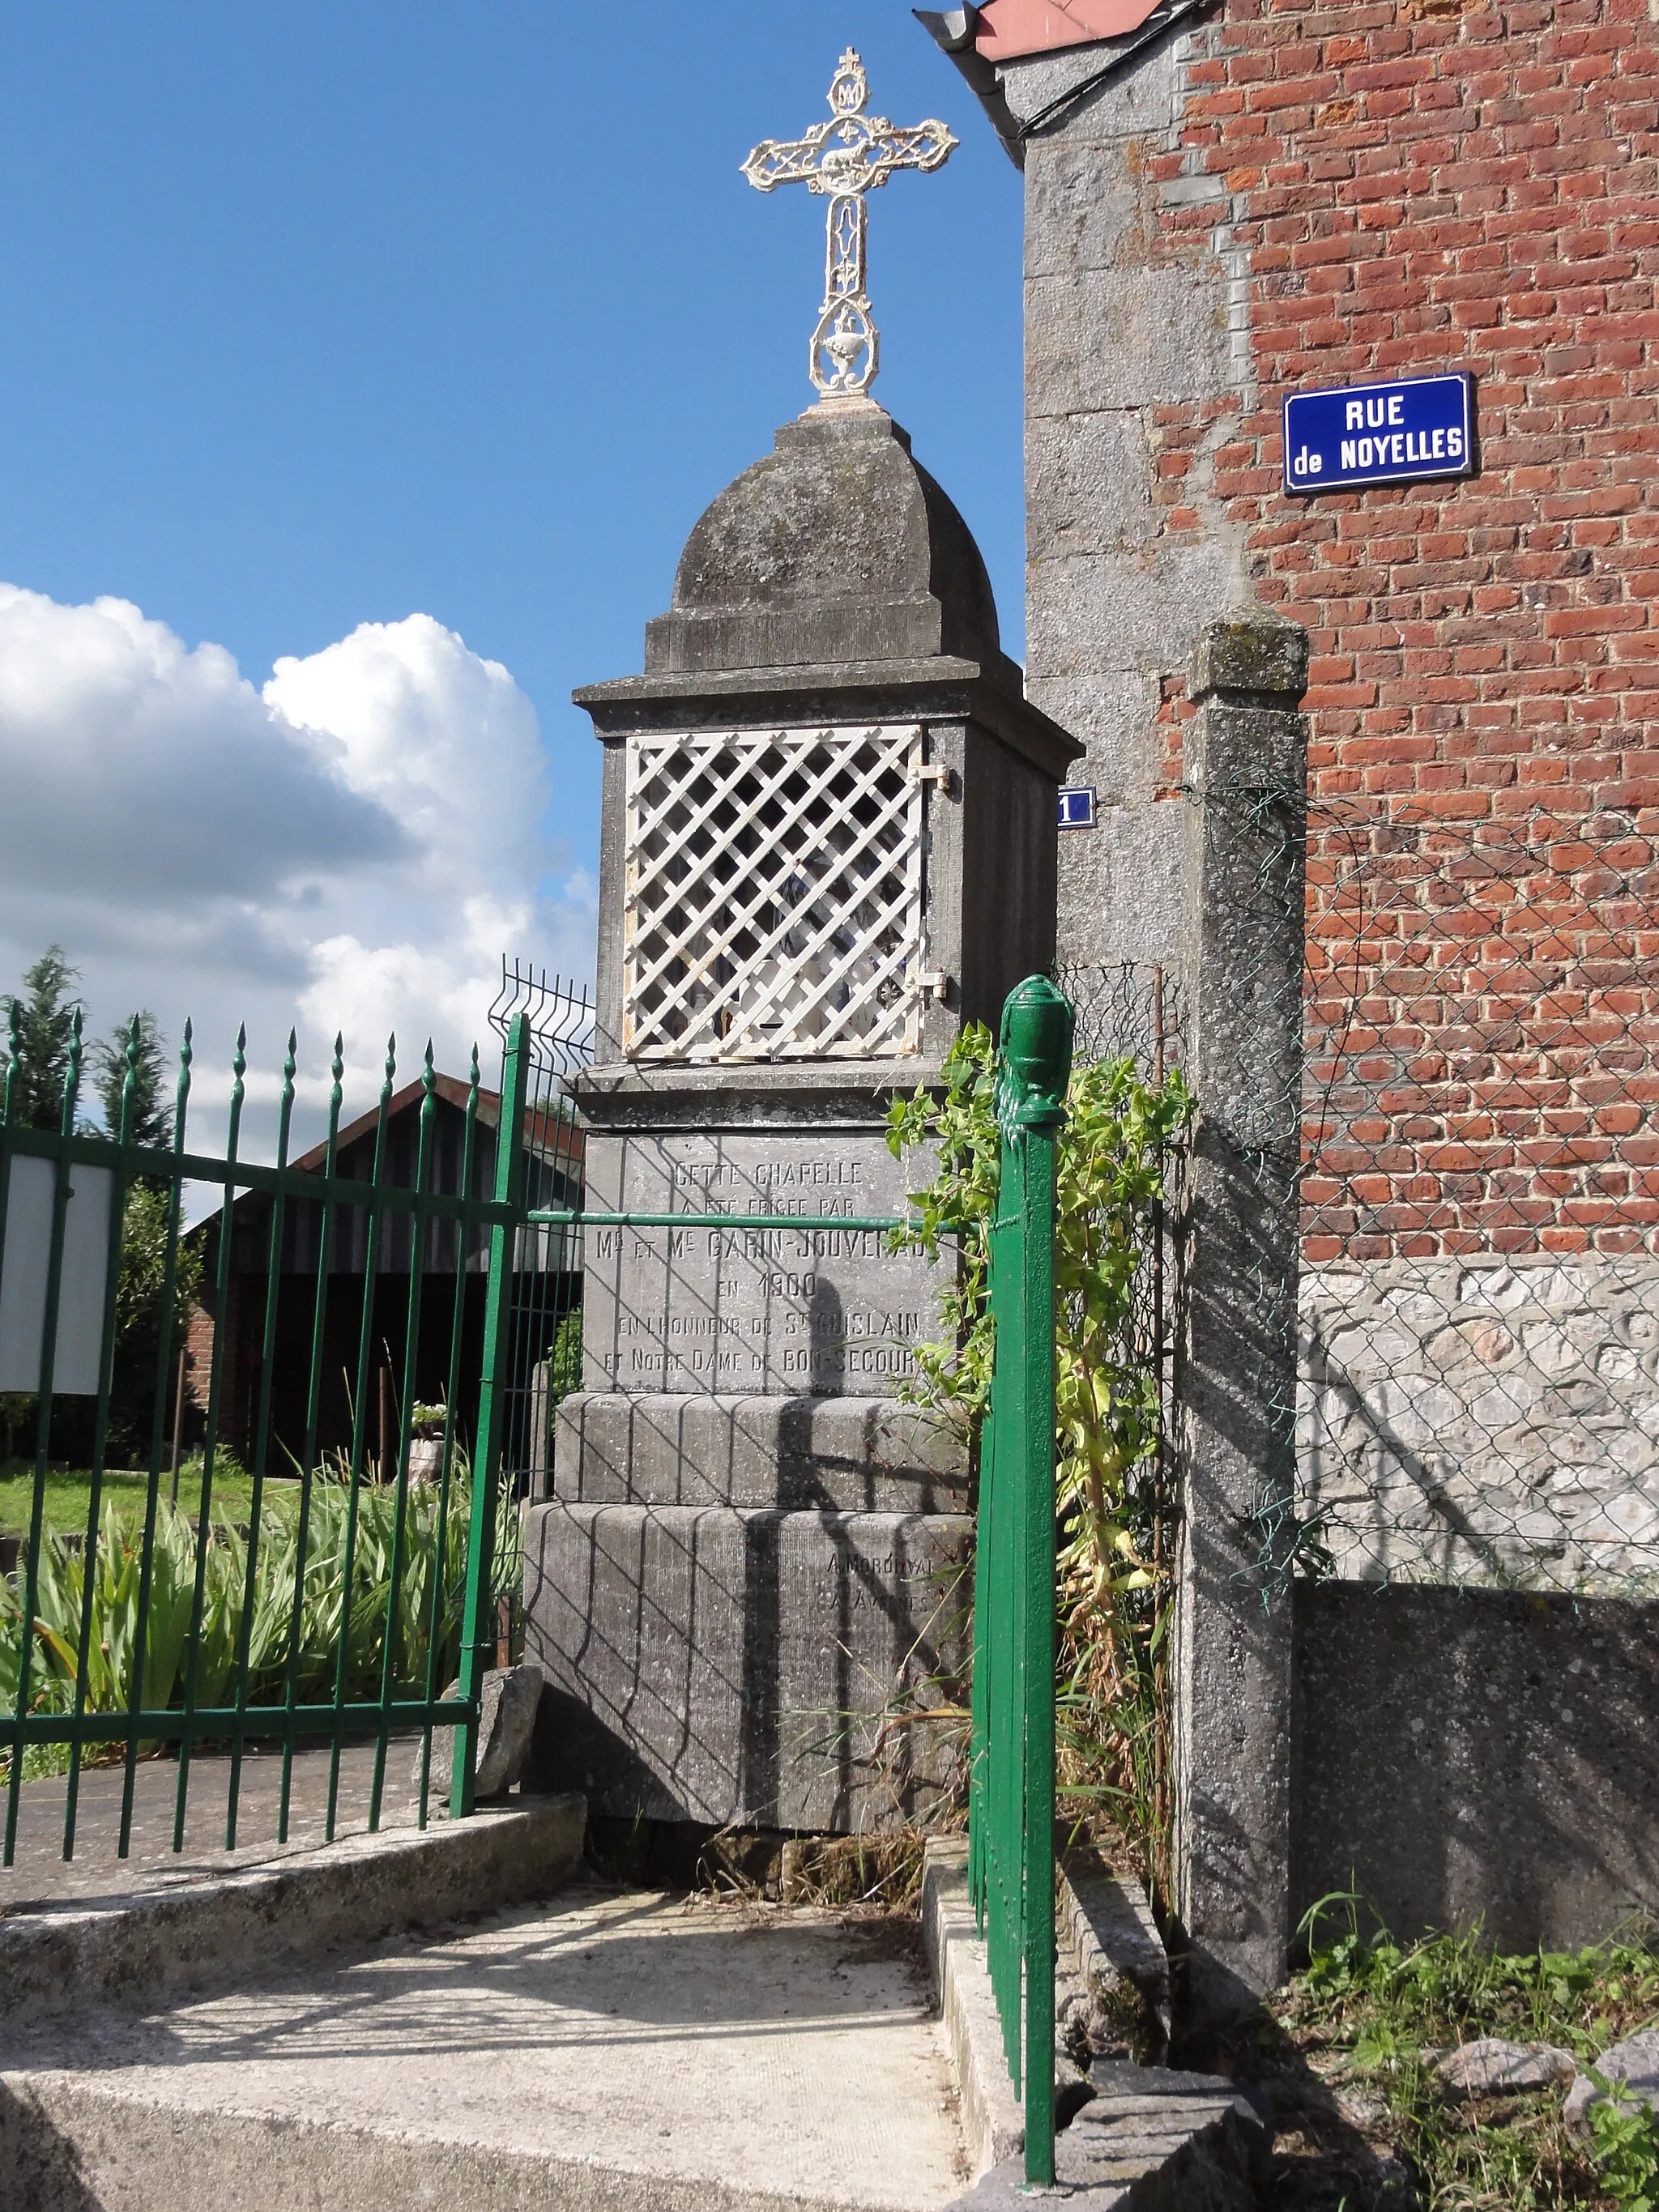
[{"x": 841, "y": 160}]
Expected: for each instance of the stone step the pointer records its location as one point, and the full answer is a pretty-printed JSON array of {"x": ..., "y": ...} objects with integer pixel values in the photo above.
[
  {"x": 607, "y": 2051},
  {"x": 1130, "y": 2135},
  {"x": 1110, "y": 1940},
  {"x": 141, "y": 1939}
]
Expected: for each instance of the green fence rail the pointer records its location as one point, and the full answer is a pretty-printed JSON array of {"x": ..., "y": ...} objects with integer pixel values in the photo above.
[
  {"x": 334, "y": 1594},
  {"x": 279, "y": 1638},
  {"x": 1011, "y": 1774}
]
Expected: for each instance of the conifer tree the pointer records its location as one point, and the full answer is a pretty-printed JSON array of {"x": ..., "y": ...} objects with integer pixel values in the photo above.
[
  {"x": 151, "y": 1123},
  {"x": 46, "y": 1005}
]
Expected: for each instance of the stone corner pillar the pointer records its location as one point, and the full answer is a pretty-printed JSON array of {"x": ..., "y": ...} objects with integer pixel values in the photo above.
[{"x": 1236, "y": 1358}]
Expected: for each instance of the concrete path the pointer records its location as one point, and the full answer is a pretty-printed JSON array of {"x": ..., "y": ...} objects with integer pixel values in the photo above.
[{"x": 607, "y": 2051}]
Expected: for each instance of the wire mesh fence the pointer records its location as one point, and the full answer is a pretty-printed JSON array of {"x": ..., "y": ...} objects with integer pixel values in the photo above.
[
  {"x": 1480, "y": 1280},
  {"x": 547, "y": 1274},
  {"x": 1136, "y": 1011}
]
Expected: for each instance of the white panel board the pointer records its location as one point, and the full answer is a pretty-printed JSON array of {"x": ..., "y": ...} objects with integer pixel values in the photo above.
[{"x": 23, "y": 1269}]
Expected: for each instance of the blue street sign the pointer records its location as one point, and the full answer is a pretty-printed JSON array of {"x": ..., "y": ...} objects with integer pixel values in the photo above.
[
  {"x": 1077, "y": 806},
  {"x": 1379, "y": 434}
]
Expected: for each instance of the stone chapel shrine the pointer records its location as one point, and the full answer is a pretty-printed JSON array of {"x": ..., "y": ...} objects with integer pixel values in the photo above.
[
  {"x": 755, "y": 1550},
  {"x": 1339, "y": 419}
]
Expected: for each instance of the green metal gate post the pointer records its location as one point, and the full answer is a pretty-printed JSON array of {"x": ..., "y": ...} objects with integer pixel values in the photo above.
[
  {"x": 1012, "y": 1812},
  {"x": 477, "y": 1622}
]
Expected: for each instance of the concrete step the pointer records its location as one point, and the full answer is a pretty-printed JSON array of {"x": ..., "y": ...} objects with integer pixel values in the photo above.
[
  {"x": 213, "y": 1924},
  {"x": 606, "y": 2052},
  {"x": 1131, "y": 2135},
  {"x": 1109, "y": 1941}
]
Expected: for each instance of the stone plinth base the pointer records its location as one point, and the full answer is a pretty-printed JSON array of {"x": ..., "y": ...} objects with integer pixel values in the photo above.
[
  {"x": 748, "y": 1667},
  {"x": 836, "y": 1455}
]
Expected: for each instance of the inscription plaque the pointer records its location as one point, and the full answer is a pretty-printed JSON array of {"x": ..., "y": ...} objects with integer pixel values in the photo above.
[{"x": 813, "y": 1311}]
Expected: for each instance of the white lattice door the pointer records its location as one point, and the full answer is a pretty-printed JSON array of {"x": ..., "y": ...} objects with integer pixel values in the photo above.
[{"x": 773, "y": 903}]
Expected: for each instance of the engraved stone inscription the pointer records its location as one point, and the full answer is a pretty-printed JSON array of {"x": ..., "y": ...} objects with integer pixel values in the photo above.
[{"x": 809, "y": 1311}]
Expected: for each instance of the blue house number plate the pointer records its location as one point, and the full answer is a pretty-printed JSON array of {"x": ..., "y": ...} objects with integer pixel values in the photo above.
[
  {"x": 1077, "y": 806},
  {"x": 1379, "y": 434}
]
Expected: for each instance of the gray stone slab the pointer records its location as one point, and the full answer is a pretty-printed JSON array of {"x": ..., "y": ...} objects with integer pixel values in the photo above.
[
  {"x": 785, "y": 1311},
  {"x": 1121, "y": 886},
  {"x": 1108, "y": 1924},
  {"x": 1153, "y": 2142},
  {"x": 1089, "y": 484},
  {"x": 1098, "y": 613},
  {"x": 1145, "y": 97},
  {"x": 1080, "y": 201},
  {"x": 508, "y": 1698},
  {"x": 993, "y": 2119},
  {"x": 1150, "y": 2140},
  {"x": 845, "y": 1454},
  {"x": 1236, "y": 1358},
  {"x": 1123, "y": 750},
  {"x": 727, "y": 1666},
  {"x": 1125, "y": 337}
]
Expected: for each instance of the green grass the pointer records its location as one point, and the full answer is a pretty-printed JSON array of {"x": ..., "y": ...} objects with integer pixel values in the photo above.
[
  {"x": 69, "y": 1494},
  {"x": 1350, "y": 2046}
]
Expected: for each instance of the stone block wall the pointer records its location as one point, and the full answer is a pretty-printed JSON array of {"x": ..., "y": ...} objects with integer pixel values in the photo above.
[{"x": 1466, "y": 1755}]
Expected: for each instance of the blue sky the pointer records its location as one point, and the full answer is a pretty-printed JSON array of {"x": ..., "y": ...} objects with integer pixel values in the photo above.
[{"x": 322, "y": 316}]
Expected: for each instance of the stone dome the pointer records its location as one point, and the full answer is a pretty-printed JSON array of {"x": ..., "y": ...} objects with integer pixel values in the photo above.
[{"x": 838, "y": 549}]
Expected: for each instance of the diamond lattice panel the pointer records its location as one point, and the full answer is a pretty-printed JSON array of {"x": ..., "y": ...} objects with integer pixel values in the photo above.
[{"x": 774, "y": 903}]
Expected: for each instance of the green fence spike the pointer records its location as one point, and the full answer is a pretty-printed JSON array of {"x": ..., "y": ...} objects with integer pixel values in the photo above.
[
  {"x": 261, "y": 1445},
  {"x": 129, "y": 1085},
  {"x": 72, "y": 1074},
  {"x": 31, "y": 1566},
  {"x": 371, "y": 1239},
  {"x": 100, "y": 1429},
  {"x": 476, "y": 1626},
  {"x": 210, "y": 1439},
  {"x": 158, "y": 1432},
  {"x": 417, "y": 1232}
]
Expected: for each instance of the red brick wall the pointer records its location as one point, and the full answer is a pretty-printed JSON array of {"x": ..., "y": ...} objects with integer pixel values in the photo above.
[{"x": 1411, "y": 188}]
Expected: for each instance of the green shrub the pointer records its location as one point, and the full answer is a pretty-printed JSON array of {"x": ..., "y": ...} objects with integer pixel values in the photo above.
[{"x": 1115, "y": 1552}]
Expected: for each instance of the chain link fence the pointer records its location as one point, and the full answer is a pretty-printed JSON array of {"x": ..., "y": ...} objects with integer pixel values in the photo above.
[{"x": 1478, "y": 1296}]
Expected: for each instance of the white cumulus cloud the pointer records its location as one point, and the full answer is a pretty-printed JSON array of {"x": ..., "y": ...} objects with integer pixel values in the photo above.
[{"x": 351, "y": 849}]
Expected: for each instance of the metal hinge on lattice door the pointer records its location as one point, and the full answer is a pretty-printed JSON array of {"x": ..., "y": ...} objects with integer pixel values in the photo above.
[
  {"x": 935, "y": 772},
  {"x": 933, "y": 982}
]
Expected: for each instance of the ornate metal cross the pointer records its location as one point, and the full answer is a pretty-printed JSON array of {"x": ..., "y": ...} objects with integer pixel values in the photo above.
[{"x": 841, "y": 160}]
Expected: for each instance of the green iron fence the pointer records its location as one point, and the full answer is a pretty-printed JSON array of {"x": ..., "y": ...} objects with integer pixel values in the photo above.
[
  {"x": 330, "y": 1604},
  {"x": 247, "y": 1666},
  {"x": 1011, "y": 1774}
]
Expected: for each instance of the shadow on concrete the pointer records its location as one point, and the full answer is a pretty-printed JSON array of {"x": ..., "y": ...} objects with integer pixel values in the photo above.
[
  {"x": 41, "y": 2167},
  {"x": 651, "y": 1975},
  {"x": 1477, "y": 1754}
]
